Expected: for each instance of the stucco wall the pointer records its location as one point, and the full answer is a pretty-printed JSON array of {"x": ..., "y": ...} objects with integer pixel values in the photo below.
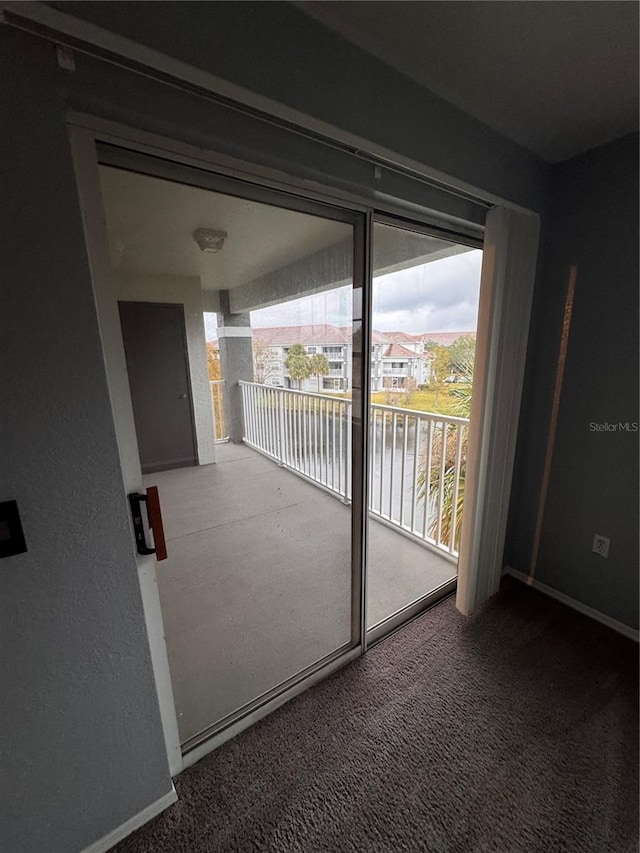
[
  {"x": 81, "y": 743},
  {"x": 322, "y": 74}
]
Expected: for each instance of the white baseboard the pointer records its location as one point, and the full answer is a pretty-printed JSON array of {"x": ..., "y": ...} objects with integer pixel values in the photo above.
[
  {"x": 108, "y": 841},
  {"x": 610, "y": 622}
]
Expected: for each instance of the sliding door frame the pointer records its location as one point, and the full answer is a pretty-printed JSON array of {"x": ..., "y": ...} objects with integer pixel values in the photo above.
[
  {"x": 89, "y": 154},
  {"x": 415, "y": 608},
  {"x": 86, "y": 133}
]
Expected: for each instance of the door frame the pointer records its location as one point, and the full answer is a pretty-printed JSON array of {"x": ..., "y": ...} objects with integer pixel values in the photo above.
[
  {"x": 86, "y": 163},
  {"x": 502, "y": 318}
]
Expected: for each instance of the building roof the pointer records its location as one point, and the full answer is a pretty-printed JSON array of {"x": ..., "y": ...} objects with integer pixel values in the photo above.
[
  {"x": 445, "y": 339},
  {"x": 380, "y": 337},
  {"x": 398, "y": 351},
  {"x": 401, "y": 337},
  {"x": 324, "y": 334},
  {"x": 321, "y": 334}
]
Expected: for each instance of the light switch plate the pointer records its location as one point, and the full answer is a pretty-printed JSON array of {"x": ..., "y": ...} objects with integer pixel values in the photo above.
[{"x": 12, "y": 539}]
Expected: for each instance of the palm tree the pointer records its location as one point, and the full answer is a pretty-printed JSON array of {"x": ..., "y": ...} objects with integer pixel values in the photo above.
[
  {"x": 448, "y": 484},
  {"x": 447, "y": 444},
  {"x": 319, "y": 366},
  {"x": 298, "y": 363}
]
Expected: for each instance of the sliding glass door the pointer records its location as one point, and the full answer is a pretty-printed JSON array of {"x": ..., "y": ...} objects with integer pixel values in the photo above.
[
  {"x": 237, "y": 312},
  {"x": 424, "y": 308},
  {"x": 295, "y": 469}
]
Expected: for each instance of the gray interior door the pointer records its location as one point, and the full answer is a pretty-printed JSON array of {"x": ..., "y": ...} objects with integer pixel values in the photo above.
[{"x": 155, "y": 348}]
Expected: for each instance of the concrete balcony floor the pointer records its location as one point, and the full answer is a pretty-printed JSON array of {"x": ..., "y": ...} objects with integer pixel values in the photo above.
[{"x": 257, "y": 585}]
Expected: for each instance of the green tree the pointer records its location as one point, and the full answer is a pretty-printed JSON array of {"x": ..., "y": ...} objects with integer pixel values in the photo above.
[
  {"x": 461, "y": 395},
  {"x": 459, "y": 357},
  {"x": 444, "y": 441},
  {"x": 440, "y": 368},
  {"x": 298, "y": 363},
  {"x": 319, "y": 366},
  {"x": 462, "y": 353}
]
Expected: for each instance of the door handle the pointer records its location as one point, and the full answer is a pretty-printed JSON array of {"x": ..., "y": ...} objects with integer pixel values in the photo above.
[
  {"x": 154, "y": 518},
  {"x": 182, "y": 396}
]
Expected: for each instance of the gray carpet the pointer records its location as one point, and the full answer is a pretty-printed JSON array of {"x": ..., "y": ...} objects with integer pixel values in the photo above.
[{"x": 515, "y": 730}]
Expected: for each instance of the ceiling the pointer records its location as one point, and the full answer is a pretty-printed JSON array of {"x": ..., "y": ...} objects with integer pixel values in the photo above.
[
  {"x": 150, "y": 225},
  {"x": 556, "y": 77}
]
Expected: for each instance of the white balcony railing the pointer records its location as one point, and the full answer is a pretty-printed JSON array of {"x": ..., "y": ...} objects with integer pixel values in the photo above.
[
  {"x": 417, "y": 460},
  {"x": 219, "y": 413},
  {"x": 308, "y": 433},
  {"x": 395, "y": 371}
]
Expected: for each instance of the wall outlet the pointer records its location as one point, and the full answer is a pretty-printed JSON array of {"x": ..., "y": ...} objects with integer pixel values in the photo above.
[
  {"x": 601, "y": 545},
  {"x": 66, "y": 59}
]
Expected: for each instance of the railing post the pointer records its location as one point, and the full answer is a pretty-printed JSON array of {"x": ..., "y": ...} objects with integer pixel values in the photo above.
[
  {"x": 282, "y": 437},
  {"x": 246, "y": 406},
  {"x": 347, "y": 456}
]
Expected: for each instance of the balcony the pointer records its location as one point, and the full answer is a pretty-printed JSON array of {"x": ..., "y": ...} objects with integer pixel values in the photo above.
[
  {"x": 288, "y": 488},
  {"x": 219, "y": 592},
  {"x": 416, "y": 465}
]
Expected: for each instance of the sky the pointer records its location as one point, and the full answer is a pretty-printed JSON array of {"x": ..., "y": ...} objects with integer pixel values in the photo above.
[{"x": 440, "y": 296}]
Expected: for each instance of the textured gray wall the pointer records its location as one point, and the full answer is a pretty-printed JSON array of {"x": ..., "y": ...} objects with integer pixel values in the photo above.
[
  {"x": 278, "y": 51},
  {"x": 81, "y": 744},
  {"x": 594, "y": 479}
]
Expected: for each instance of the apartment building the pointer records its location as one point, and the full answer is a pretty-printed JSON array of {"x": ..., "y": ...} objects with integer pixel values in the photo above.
[
  {"x": 273, "y": 345},
  {"x": 398, "y": 359}
]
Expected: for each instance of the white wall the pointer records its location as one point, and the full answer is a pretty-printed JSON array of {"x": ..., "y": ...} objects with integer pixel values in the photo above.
[{"x": 185, "y": 291}]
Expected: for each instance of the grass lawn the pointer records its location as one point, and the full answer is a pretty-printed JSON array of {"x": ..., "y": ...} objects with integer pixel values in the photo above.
[{"x": 424, "y": 401}]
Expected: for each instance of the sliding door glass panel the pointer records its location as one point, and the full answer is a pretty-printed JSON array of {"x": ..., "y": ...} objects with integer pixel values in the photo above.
[
  {"x": 257, "y": 588},
  {"x": 424, "y": 312}
]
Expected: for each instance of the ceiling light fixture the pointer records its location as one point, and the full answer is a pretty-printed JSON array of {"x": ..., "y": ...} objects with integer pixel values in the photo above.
[{"x": 208, "y": 240}]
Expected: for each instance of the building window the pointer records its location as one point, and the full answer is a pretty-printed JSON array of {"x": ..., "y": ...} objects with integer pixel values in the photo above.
[{"x": 329, "y": 384}]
